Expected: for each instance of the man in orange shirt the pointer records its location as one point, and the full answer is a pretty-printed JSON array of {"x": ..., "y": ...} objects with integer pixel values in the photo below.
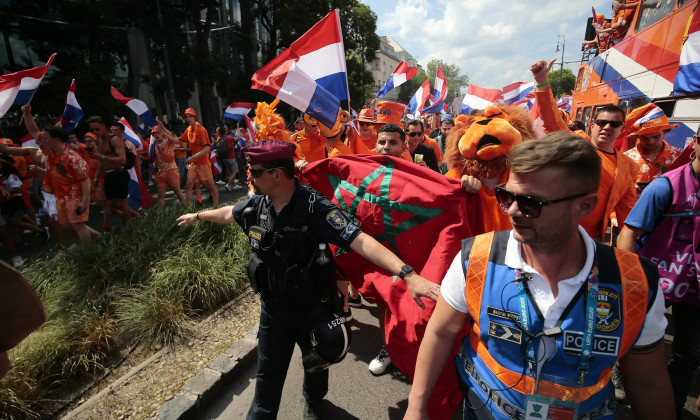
[
  {"x": 616, "y": 193},
  {"x": 310, "y": 145},
  {"x": 648, "y": 125},
  {"x": 199, "y": 166},
  {"x": 367, "y": 135}
]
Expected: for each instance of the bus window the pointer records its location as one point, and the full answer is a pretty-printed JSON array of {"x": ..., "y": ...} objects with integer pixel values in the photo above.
[
  {"x": 587, "y": 117},
  {"x": 681, "y": 3},
  {"x": 650, "y": 13},
  {"x": 638, "y": 101},
  {"x": 624, "y": 104},
  {"x": 578, "y": 114}
]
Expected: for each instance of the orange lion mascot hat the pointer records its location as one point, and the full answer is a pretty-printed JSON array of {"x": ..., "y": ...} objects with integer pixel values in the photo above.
[{"x": 271, "y": 125}]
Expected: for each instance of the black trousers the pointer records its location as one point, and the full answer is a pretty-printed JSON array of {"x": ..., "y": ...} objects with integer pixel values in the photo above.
[
  {"x": 685, "y": 353},
  {"x": 280, "y": 328}
]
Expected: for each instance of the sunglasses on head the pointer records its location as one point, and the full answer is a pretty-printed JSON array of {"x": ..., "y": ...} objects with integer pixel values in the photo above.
[
  {"x": 603, "y": 123},
  {"x": 528, "y": 206},
  {"x": 257, "y": 173},
  {"x": 414, "y": 134}
]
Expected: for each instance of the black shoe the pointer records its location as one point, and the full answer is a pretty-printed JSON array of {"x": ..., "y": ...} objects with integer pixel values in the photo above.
[
  {"x": 355, "y": 302},
  {"x": 310, "y": 411},
  {"x": 347, "y": 315}
]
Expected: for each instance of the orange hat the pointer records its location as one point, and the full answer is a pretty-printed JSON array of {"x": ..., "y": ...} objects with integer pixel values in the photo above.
[
  {"x": 389, "y": 112},
  {"x": 91, "y": 135},
  {"x": 367, "y": 115},
  {"x": 647, "y": 119},
  {"x": 191, "y": 112},
  {"x": 342, "y": 118}
]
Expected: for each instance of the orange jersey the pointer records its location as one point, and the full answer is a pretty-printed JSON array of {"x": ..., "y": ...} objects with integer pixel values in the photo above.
[
  {"x": 69, "y": 170},
  {"x": 198, "y": 138},
  {"x": 494, "y": 218},
  {"x": 309, "y": 148},
  {"x": 339, "y": 149},
  {"x": 436, "y": 148}
]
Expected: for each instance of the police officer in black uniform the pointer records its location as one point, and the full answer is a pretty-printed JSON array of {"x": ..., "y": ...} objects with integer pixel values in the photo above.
[{"x": 285, "y": 223}]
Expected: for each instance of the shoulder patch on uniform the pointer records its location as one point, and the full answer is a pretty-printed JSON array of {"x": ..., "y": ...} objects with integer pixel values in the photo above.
[
  {"x": 336, "y": 219},
  {"x": 608, "y": 310}
]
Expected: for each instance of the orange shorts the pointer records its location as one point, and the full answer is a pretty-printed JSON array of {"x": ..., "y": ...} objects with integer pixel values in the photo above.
[
  {"x": 66, "y": 207},
  {"x": 169, "y": 178},
  {"x": 200, "y": 172}
]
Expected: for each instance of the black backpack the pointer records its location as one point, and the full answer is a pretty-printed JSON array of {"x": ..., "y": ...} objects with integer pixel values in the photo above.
[
  {"x": 128, "y": 154},
  {"x": 221, "y": 149}
]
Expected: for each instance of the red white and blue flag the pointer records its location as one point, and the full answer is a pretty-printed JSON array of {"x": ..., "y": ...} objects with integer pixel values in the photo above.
[
  {"x": 311, "y": 74},
  {"x": 18, "y": 88},
  {"x": 72, "y": 112},
  {"x": 28, "y": 141},
  {"x": 237, "y": 110},
  {"x": 402, "y": 73},
  {"x": 517, "y": 91},
  {"x": 688, "y": 77},
  {"x": 138, "y": 106},
  {"x": 479, "y": 98},
  {"x": 439, "y": 93},
  {"x": 564, "y": 103},
  {"x": 249, "y": 130},
  {"x": 415, "y": 105},
  {"x": 138, "y": 196},
  {"x": 215, "y": 165}
]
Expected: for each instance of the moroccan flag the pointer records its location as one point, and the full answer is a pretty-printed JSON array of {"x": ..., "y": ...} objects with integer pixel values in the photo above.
[{"x": 422, "y": 217}]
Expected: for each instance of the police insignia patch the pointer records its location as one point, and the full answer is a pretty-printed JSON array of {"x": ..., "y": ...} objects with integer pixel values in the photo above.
[
  {"x": 345, "y": 234},
  {"x": 608, "y": 310},
  {"x": 505, "y": 332},
  {"x": 336, "y": 219}
]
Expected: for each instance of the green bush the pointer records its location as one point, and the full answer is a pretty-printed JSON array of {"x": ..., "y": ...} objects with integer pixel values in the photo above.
[{"x": 147, "y": 283}]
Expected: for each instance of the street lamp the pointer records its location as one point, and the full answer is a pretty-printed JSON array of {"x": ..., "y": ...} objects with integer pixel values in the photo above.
[{"x": 562, "y": 39}]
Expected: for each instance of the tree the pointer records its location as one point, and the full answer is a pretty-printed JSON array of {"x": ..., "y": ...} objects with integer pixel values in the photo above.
[
  {"x": 455, "y": 80},
  {"x": 568, "y": 81}
]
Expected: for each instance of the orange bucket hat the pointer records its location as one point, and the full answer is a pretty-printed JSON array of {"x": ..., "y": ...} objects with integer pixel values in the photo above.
[
  {"x": 367, "y": 115},
  {"x": 647, "y": 119},
  {"x": 389, "y": 113},
  {"x": 190, "y": 111}
]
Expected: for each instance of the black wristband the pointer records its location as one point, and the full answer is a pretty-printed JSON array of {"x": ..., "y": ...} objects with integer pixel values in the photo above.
[
  {"x": 404, "y": 271},
  {"x": 198, "y": 216}
]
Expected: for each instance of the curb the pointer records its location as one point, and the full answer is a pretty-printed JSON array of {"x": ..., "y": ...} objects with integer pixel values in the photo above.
[{"x": 205, "y": 386}]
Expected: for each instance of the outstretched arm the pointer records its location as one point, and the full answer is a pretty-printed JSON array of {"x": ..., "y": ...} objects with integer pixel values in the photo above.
[
  {"x": 222, "y": 215},
  {"x": 375, "y": 252}
]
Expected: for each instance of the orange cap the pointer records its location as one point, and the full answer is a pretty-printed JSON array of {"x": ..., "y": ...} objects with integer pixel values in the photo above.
[
  {"x": 366, "y": 115},
  {"x": 389, "y": 112},
  {"x": 191, "y": 112}
]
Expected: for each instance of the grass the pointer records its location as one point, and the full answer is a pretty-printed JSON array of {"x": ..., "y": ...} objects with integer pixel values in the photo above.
[{"x": 148, "y": 283}]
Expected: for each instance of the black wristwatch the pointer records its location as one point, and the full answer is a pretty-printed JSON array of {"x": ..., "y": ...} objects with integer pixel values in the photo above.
[{"x": 405, "y": 270}]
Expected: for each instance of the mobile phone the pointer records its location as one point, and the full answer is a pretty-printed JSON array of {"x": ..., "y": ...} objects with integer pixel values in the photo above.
[{"x": 78, "y": 211}]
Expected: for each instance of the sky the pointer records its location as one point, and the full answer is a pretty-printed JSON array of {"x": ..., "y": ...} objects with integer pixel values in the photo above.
[{"x": 493, "y": 42}]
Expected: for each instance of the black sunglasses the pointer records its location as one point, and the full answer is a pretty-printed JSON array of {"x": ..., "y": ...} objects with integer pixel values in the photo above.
[
  {"x": 529, "y": 207},
  {"x": 603, "y": 123},
  {"x": 414, "y": 134},
  {"x": 364, "y": 123},
  {"x": 257, "y": 173}
]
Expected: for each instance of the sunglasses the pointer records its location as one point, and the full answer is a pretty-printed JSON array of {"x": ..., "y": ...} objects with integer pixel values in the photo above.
[
  {"x": 528, "y": 206},
  {"x": 414, "y": 134},
  {"x": 257, "y": 173},
  {"x": 603, "y": 123},
  {"x": 363, "y": 124}
]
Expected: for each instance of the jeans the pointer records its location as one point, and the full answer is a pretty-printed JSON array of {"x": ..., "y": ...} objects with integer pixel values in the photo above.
[
  {"x": 280, "y": 329},
  {"x": 685, "y": 351},
  {"x": 181, "y": 168}
]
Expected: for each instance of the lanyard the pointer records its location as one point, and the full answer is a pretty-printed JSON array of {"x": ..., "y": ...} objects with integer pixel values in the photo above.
[{"x": 589, "y": 327}]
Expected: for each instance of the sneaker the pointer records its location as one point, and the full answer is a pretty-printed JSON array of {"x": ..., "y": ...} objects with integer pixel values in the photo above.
[
  {"x": 237, "y": 186},
  {"x": 220, "y": 182},
  {"x": 310, "y": 411},
  {"x": 616, "y": 379},
  {"x": 228, "y": 187},
  {"x": 380, "y": 363},
  {"x": 347, "y": 315},
  {"x": 17, "y": 261},
  {"x": 355, "y": 302},
  {"x": 45, "y": 235}
]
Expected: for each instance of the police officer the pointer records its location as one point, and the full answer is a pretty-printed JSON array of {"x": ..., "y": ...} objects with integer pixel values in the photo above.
[
  {"x": 286, "y": 222},
  {"x": 551, "y": 310}
]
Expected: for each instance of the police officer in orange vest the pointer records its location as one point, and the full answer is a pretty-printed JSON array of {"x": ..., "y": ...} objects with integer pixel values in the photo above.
[{"x": 550, "y": 310}]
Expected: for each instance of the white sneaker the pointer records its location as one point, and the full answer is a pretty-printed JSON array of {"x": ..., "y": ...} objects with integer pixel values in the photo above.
[
  {"x": 379, "y": 364},
  {"x": 237, "y": 186},
  {"x": 17, "y": 261},
  {"x": 228, "y": 187}
]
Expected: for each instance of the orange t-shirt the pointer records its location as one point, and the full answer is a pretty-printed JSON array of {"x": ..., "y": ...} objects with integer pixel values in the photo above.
[
  {"x": 436, "y": 147},
  {"x": 165, "y": 156},
  {"x": 592, "y": 223},
  {"x": 309, "y": 148},
  {"x": 198, "y": 138},
  {"x": 339, "y": 149},
  {"x": 68, "y": 171}
]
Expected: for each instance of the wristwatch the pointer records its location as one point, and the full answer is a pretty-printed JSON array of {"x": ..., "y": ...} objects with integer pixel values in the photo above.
[{"x": 405, "y": 270}]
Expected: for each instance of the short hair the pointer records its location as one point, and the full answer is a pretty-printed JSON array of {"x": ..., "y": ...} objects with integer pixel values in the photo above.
[
  {"x": 578, "y": 124},
  {"x": 58, "y": 132},
  {"x": 286, "y": 164},
  {"x": 118, "y": 124},
  {"x": 392, "y": 128},
  {"x": 609, "y": 108},
  {"x": 96, "y": 119},
  {"x": 415, "y": 122},
  {"x": 575, "y": 155},
  {"x": 447, "y": 121}
]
